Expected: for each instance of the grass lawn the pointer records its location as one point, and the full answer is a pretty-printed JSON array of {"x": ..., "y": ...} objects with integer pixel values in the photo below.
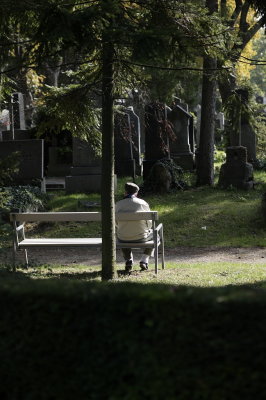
[{"x": 196, "y": 217}]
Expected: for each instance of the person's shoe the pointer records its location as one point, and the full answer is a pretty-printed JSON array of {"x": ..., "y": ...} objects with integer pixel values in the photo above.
[
  {"x": 129, "y": 265},
  {"x": 143, "y": 266}
]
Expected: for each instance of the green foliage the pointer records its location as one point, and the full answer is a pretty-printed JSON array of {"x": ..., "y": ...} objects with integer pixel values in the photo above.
[
  {"x": 258, "y": 74},
  {"x": 260, "y": 129},
  {"x": 219, "y": 156},
  {"x": 18, "y": 198},
  {"x": 237, "y": 108},
  {"x": 23, "y": 198},
  {"x": 62, "y": 108},
  {"x": 131, "y": 341}
]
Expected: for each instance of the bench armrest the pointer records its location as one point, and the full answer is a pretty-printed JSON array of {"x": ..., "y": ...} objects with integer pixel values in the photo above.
[
  {"x": 159, "y": 227},
  {"x": 18, "y": 228},
  {"x": 19, "y": 233}
]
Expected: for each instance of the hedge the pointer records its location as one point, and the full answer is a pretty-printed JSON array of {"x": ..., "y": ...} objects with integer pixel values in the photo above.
[{"x": 72, "y": 340}]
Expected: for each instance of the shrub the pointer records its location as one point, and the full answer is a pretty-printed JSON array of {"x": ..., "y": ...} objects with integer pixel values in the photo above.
[
  {"x": 68, "y": 340},
  {"x": 24, "y": 198}
]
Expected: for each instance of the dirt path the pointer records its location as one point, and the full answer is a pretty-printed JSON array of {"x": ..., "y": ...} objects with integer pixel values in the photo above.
[{"x": 249, "y": 255}]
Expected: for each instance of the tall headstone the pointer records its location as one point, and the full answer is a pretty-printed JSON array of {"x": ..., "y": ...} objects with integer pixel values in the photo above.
[
  {"x": 246, "y": 136},
  {"x": 181, "y": 148},
  {"x": 17, "y": 103},
  {"x": 136, "y": 138},
  {"x": 156, "y": 136},
  {"x": 219, "y": 127},
  {"x": 127, "y": 143},
  {"x": 85, "y": 174},
  {"x": 191, "y": 133},
  {"x": 198, "y": 112},
  {"x": 247, "y": 139}
]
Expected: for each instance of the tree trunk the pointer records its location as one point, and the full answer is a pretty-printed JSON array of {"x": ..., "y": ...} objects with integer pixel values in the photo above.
[
  {"x": 107, "y": 191},
  {"x": 205, "y": 167}
]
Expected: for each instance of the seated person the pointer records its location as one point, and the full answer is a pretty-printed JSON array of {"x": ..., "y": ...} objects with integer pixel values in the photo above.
[{"x": 133, "y": 231}]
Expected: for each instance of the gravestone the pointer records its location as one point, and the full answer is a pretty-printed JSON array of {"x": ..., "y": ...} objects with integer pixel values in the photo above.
[
  {"x": 181, "y": 148},
  {"x": 219, "y": 127},
  {"x": 4, "y": 120},
  {"x": 31, "y": 158},
  {"x": 247, "y": 139},
  {"x": 219, "y": 120},
  {"x": 19, "y": 134},
  {"x": 136, "y": 138},
  {"x": 58, "y": 154},
  {"x": 246, "y": 136},
  {"x": 85, "y": 173},
  {"x": 198, "y": 113},
  {"x": 156, "y": 135},
  {"x": 18, "y": 110},
  {"x": 127, "y": 143},
  {"x": 191, "y": 133},
  {"x": 236, "y": 171}
]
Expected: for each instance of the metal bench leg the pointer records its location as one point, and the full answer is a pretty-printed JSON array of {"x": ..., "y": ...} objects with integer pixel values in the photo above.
[
  {"x": 156, "y": 255},
  {"x": 14, "y": 257},
  {"x": 162, "y": 244},
  {"x": 26, "y": 259}
]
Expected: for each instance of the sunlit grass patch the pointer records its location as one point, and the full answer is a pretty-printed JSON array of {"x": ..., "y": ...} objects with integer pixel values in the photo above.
[{"x": 218, "y": 274}]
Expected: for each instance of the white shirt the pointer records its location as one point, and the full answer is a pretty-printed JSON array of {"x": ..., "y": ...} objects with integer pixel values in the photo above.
[{"x": 132, "y": 230}]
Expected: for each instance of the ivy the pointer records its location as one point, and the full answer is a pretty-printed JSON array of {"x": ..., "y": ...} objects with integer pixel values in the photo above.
[{"x": 175, "y": 173}]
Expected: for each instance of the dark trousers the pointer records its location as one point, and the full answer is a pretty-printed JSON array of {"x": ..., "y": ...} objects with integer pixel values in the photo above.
[{"x": 127, "y": 252}]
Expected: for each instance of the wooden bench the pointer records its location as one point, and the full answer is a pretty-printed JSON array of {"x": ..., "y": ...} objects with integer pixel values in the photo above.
[{"x": 21, "y": 242}]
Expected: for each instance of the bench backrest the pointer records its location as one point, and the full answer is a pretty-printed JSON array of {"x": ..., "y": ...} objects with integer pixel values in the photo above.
[{"x": 80, "y": 216}]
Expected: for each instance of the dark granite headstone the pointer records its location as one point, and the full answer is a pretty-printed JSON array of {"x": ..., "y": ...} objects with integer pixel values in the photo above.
[
  {"x": 247, "y": 139},
  {"x": 181, "y": 148},
  {"x": 31, "y": 158},
  {"x": 136, "y": 138},
  {"x": 19, "y": 134},
  {"x": 236, "y": 171},
  {"x": 85, "y": 174},
  {"x": 127, "y": 143},
  {"x": 156, "y": 136}
]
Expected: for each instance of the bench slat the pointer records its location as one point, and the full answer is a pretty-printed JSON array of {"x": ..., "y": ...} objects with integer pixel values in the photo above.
[
  {"x": 135, "y": 245},
  {"x": 80, "y": 216},
  {"x": 56, "y": 216},
  {"x": 67, "y": 242},
  {"x": 50, "y": 242},
  {"x": 136, "y": 216}
]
